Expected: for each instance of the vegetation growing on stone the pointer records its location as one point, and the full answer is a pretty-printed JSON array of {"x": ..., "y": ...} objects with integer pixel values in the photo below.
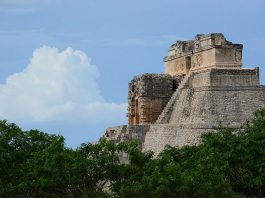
[{"x": 228, "y": 163}]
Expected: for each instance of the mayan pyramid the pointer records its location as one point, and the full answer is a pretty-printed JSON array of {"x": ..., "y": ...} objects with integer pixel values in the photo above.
[{"x": 203, "y": 85}]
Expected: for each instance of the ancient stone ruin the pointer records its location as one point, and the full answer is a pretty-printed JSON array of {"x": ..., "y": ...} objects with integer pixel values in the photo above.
[{"x": 203, "y": 86}]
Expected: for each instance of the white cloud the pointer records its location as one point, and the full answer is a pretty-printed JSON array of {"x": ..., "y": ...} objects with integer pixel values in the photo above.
[{"x": 57, "y": 86}]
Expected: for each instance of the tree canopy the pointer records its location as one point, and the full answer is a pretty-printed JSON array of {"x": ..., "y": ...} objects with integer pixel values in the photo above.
[{"x": 228, "y": 163}]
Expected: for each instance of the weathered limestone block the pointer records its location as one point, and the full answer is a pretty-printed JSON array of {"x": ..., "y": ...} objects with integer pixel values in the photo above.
[
  {"x": 126, "y": 132},
  {"x": 173, "y": 135},
  {"x": 148, "y": 95}
]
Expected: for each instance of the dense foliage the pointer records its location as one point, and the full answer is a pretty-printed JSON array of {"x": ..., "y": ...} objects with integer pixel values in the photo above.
[{"x": 228, "y": 163}]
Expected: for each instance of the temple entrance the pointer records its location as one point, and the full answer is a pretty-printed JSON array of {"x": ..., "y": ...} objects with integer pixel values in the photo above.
[{"x": 188, "y": 64}]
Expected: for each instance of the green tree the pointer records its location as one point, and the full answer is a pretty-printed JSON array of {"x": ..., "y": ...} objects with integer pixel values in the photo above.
[
  {"x": 228, "y": 163},
  {"x": 37, "y": 164}
]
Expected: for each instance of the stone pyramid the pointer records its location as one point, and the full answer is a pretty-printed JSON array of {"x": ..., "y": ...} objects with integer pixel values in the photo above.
[{"x": 203, "y": 85}]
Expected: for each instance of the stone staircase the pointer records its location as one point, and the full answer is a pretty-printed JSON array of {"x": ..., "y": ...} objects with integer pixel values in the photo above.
[{"x": 167, "y": 111}]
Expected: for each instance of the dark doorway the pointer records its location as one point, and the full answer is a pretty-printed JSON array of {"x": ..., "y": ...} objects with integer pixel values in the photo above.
[
  {"x": 175, "y": 85},
  {"x": 188, "y": 64}
]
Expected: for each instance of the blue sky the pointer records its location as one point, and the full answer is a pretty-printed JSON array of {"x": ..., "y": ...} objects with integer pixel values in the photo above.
[{"x": 65, "y": 65}]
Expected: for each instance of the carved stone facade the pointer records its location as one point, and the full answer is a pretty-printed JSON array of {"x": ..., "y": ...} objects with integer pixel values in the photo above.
[
  {"x": 148, "y": 95},
  {"x": 203, "y": 85},
  {"x": 203, "y": 52}
]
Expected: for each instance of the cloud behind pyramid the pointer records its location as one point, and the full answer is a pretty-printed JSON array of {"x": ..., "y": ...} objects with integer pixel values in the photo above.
[{"x": 57, "y": 86}]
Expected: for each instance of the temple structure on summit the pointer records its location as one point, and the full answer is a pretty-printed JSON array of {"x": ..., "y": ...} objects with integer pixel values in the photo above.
[
  {"x": 203, "y": 85},
  {"x": 203, "y": 52},
  {"x": 149, "y": 93}
]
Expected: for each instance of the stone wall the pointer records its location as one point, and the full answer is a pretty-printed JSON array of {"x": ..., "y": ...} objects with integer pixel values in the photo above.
[
  {"x": 235, "y": 77},
  {"x": 225, "y": 77},
  {"x": 178, "y": 66},
  {"x": 126, "y": 132},
  {"x": 148, "y": 95},
  {"x": 206, "y": 101},
  {"x": 173, "y": 135}
]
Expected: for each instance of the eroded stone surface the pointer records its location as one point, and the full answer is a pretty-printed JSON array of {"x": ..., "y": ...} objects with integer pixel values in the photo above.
[
  {"x": 126, "y": 132},
  {"x": 202, "y": 52},
  {"x": 148, "y": 95}
]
